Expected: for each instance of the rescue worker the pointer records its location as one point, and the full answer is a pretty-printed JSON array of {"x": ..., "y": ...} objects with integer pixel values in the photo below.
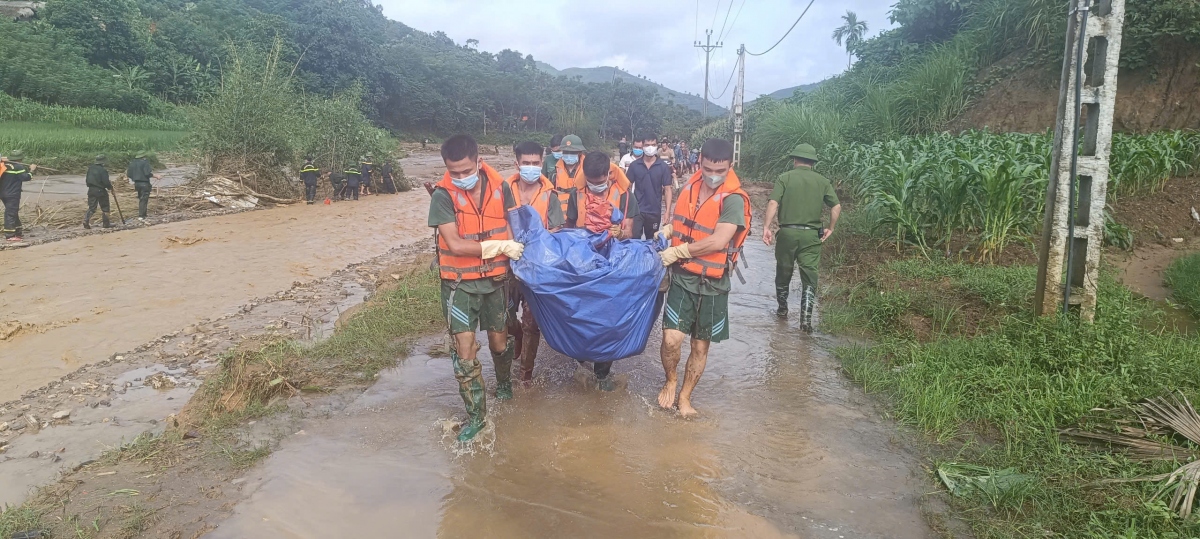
[
  {"x": 140, "y": 173},
  {"x": 353, "y": 182},
  {"x": 365, "y": 167},
  {"x": 799, "y": 199},
  {"x": 337, "y": 181},
  {"x": 592, "y": 208},
  {"x": 654, "y": 183},
  {"x": 568, "y": 169},
  {"x": 622, "y": 147},
  {"x": 98, "y": 186},
  {"x": 13, "y": 173},
  {"x": 469, "y": 209},
  {"x": 309, "y": 174},
  {"x": 550, "y": 167},
  {"x": 389, "y": 185},
  {"x": 530, "y": 187},
  {"x": 710, "y": 223}
]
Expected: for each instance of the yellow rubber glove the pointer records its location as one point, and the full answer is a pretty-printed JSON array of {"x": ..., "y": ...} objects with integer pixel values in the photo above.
[
  {"x": 494, "y": 248},
  {"x": 666, "y": 231},
  {"x": 674, "y": 254}
]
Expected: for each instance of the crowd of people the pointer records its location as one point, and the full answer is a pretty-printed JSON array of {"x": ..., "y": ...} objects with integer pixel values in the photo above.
[{"x": 709, "y": 219}]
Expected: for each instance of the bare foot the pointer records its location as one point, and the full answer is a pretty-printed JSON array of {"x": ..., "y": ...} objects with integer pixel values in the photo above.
[
  {"x": 666, "y": 397},
  {"x": 685, "y": 409}
]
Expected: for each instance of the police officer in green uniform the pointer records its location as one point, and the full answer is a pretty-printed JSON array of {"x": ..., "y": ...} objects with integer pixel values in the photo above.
[
  {"x": 799, "y": 199},
  {"x": 98, "y": 186},
  {"x": 550, "y": 165},
  {"x": 353, "y": 182},
  {"x": 140, "y": 173},
  {"x": 309, "y": 174}
]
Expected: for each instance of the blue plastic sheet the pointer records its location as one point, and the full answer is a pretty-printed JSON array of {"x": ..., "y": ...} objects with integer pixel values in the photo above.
[{"x": 595, "y": 298}]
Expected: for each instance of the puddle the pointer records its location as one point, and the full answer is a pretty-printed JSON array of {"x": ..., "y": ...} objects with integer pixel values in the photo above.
[{"x": 786, "y": 447}]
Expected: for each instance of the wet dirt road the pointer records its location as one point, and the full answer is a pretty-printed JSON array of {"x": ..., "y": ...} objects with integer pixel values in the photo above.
[
  {"x": 786, "y": 447},
  {"x": 70, "y": 187},
  {"x": 81, "y": 300}
]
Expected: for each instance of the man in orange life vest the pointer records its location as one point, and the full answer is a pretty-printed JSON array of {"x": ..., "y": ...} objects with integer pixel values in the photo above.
[
  {"x": 710, "y": 223},
  {"x": 469, "y": 209},
  {"x": 591, "y": 207},
  {"x": 568, "y": 175},
  {"x": 531, "y": 188}
]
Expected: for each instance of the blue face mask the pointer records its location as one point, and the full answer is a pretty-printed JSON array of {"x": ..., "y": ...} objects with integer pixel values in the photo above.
[
  {"x": 637, "y": 152},
  {"x": 557, "y": 155},
  {"x": 530, "y": 173},
  {"x": 570, "y": 159},
  {"x": 467, "y": 183}
]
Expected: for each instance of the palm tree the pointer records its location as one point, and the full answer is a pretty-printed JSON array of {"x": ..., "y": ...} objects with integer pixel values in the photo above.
[{"x": 851, "y": 32}]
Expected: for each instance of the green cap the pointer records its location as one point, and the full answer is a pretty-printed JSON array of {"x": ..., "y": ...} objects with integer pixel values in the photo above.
[
  {"x": 101, "y": 159},
  {"x": 140, "y": 155},
  {"x": 572, "y": 143},
  {"x": 804, "y": 151},
  {"x": 16, "y": 155}
]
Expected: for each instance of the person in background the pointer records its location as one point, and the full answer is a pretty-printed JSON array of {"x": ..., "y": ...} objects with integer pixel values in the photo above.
[
  {"x": 13, "y": 173},
  {"x": 365, "y": 168},
  {"x": 799, "y": 198},
  {"x": 653, "y": 183},
  {"x": 530, "y": 187},
  {"x": 98, "y": 186},
  {"x": 710, "y": 224},
  {"x": 592, "y": 208},
  {"x": 634, "y": 155},
  {"x": 389, "y": 184},
  {"x": 140, "y": 173},
  {"x": 550, "y": 167},
  {"x": 568, "y": 172},
  {"x": 666, "y": 154},
  {"x": 309, "y": 174},
  {"x": 353, "y": 182},
  {"x": 694, "y": 160},
  {"x": 469, "y": 209},
  {"x": 337, "y": 180},
  {"x": 622, "y": 147},
  {"x": 681, "y": 163}
]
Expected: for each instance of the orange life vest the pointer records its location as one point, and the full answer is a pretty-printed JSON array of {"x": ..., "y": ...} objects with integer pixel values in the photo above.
[
  {"x": 487, "y": 222},
  {"x": 613, "y": 197},
  {"x": 564, "y": 185},
  {"x": 695, "y": 220},
  {"x": 616, "y": 175},
  {"x": 540, "y": 202}
]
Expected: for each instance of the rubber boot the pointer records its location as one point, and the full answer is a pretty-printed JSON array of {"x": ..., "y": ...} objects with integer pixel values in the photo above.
[
  {"x": 781, "y": 296},
  {"x": 807, "y": 303},
  {"x": 604, "y": 379},
  {"x": 503, "y": 362},
  {"x": 531, "y": 341},
  {"x": 87, "y": 219},
  {"x": 469, "y": 374},
  {"x": 104, "y": 220}
]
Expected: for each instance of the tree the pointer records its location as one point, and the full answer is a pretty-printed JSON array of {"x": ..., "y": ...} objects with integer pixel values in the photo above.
[{"x": 851, "y": 32}]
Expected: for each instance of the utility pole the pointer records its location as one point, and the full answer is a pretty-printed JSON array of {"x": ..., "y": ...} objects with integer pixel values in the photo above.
[
  {"x": 708, "y": 47},
  {"x": 739, "y": 94},
  {"x": 1073, "y": 228}
]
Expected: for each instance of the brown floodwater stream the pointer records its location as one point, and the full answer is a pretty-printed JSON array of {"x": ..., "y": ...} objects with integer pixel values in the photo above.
[{"x": 785, "y": 447}]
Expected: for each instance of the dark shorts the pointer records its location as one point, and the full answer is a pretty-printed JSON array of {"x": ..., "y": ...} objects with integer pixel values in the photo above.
[
  {"x": 701, "y": 317},
  {"x": 467, "y": 313}
]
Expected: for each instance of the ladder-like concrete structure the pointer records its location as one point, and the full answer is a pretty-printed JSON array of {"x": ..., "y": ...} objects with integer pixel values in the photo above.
[{"x": 1101, "y": 22}]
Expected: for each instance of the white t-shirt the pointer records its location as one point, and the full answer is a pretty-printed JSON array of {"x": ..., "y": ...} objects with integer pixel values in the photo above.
[{"x": 627, "y": 160}]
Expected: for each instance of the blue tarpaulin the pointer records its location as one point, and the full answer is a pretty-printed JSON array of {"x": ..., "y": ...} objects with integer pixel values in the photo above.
[{"x": 595, "y": 298}]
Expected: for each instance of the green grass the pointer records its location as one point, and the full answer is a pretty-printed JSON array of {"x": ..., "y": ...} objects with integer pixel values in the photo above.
[
  {"x": 73, "y": 148},
  {"x": 1183, "y": 276},
  {"x": 23, "y": 110},
  {"x": 999, "y": 399}
]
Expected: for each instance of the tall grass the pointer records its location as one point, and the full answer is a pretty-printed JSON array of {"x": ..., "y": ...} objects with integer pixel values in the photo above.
[
  {"x": 70, "y": 148},
  {"x": 23, "y": 110},
  {"x": 1183, "y": 276}
]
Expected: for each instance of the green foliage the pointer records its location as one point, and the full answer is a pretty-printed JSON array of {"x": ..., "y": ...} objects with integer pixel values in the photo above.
[
  {"x": 1014, "y": 388},
  {"x": 73, "y": 148},
  {"x": 113, "y": 30},
  {"x": 1183, "y": 276}
]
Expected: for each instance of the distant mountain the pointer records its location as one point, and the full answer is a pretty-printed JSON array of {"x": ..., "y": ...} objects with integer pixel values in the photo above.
[
  {"x": 789, "y": 92},
  {"x": 606, "y": 74}
]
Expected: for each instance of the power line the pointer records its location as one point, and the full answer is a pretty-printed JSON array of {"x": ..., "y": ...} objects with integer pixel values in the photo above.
[
  {"x": 735, "y": 17},
  {"x": 716, "y": 10},
  {"x": 731, "y": 74},
  {"x": 726, "y": 21},
  {"x": 810, "y": 3}
]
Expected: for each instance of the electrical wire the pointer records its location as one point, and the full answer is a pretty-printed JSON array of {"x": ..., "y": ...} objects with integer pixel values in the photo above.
[
  {"x": 716, "y": 10},
  {"x": 810, "y": 3},
  {"x": 735, "y": 20},
  {"x": 728, "y": 10},
  {"x": 731, "y": 74}
]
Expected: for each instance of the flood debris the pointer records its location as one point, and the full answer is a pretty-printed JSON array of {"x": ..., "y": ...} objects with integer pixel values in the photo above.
[{"x": 998, "y": 487}]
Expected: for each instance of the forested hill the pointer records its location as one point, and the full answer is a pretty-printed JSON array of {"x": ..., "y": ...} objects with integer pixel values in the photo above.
[
  {"x": 607, "y": 74},
  {"x": 143, "y": 55}
]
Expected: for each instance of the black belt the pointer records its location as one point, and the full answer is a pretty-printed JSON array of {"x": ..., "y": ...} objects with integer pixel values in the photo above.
[{"x": 798, "y": 227}]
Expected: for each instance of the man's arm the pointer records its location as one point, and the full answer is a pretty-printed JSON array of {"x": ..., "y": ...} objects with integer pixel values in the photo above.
[
  {"x": 669, "y": 196},
  {"x": 772, "y": 210},
  {"x": 456, "y": 243},
  {"x": 834, "y": 214},
  {"x": 719, "y": 241}
]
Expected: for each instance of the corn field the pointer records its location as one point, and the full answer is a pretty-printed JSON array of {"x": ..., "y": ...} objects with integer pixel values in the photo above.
[
  {"x": 983, "y": 187},
  {"x": 23, "y": 110},
  {"x": 68, "y": 148}
]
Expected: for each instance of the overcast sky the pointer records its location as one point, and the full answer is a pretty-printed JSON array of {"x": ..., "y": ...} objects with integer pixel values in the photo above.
[{"x": 655, "y": 38}]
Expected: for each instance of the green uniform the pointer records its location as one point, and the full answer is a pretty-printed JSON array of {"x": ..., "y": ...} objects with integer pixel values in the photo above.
[
  {"x": 98, "y": 185},
  {"x": 550, "y": 167},
  {"x": 139, "y": 171},
  {"x": 802, "y": 195},
  {"x": 698, "y": 305}
]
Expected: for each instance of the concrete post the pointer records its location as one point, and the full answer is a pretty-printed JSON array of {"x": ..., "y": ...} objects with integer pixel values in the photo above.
[{"x": 1104, "y": 21}]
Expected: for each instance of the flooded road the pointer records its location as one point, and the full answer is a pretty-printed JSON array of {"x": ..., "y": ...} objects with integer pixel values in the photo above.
[
  {"x": 79, "y": 301},
  {"x": 785, "y": 447},
  {"x": 71, "y": 188}
]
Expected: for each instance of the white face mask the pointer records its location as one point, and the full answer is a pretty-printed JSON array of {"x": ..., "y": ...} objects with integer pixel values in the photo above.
[
  {"x": 715, "y": 180},
  {"x": 650, "y": 151}
]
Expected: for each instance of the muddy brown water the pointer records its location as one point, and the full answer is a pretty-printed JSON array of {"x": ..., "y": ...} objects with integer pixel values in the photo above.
[{"x": 786, "y": 447}]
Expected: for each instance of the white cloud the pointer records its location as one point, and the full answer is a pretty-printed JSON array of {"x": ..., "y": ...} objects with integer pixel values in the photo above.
[{"x": 655, "y": 38}]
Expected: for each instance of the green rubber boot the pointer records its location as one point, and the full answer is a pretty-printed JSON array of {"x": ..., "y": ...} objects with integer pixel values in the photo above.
[
  {"x": 469, "y": 374},
  {"x": 781, "y": 297},
  {"x": 503, "y": 362}
]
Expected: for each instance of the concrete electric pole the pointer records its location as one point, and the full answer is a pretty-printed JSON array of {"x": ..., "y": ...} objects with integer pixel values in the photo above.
[
  {"x": 1073, "y": 229},
  {"x": 739, "y": 95},
  {"x": 708, "y": 47}
]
